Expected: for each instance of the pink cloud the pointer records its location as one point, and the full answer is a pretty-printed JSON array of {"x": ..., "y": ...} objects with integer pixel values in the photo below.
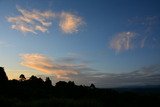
[{"x": 42, "y": 63}]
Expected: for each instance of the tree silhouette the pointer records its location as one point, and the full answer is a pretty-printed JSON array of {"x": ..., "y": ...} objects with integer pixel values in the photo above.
[
  {"x": 3, "y": 76},
  {"x": 48, "y": 82},
  {"x": 22, "y": 77},
  {"x": 33, "y": 78},
  {"x": 36, "y": 82},
  {"x": 92, "y": 86},
  {"x": 71, "y": 84},
  {"x": 34, "y": 92},
  {"x": 61, "y": 84}
]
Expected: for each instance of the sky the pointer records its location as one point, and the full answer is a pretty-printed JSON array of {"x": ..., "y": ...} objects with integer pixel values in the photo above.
[{"x": 111, "y": 43}]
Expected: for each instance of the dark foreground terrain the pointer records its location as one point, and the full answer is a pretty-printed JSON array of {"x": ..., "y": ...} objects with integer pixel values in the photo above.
[{"x": 34, "y": 92}]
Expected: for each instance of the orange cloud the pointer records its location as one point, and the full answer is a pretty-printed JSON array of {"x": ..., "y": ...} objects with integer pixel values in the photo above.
[
  {"x": 31, "y": 21},
  {"x": 44, "y": 64},
  {"x": 41, "y": 28},
  {"x": 34, "y": 20},
  {"x": 23, "y": 28},
  {"x": 69, "y": 23}
]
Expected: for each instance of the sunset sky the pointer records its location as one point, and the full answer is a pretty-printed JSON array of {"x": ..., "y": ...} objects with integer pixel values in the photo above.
[{"x": 110, "y": 43}]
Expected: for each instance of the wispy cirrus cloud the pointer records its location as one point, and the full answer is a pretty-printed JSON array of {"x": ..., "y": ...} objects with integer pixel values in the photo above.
[
  {"x": 144, "y": 32},
  {"x": 34, "y": 20},
  {"x": 69, "y": 22},
  {"x": 24, "y": 28},
  {"x": 44, "y": 64},
  {"x": 148, "y": 29},
  {"x": 123, "y": 41},
  {"x": 31, "y": 21}
]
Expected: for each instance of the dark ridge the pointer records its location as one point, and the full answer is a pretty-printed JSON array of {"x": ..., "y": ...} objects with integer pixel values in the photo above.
[{"x": 35, "y": 92}]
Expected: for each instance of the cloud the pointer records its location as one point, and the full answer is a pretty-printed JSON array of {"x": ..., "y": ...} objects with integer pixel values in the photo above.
[
  {"x": 46, "y": 65},
  {"x": 41, "y": 28},
  {"x": 123, "y": 41},
  {"x": 23, "y": 28},
  {"x": 145, "y": 76},
  {"x": 69, "y": 22},
  {"x": 34, "y": 20},
  {"x": 83, "y": 74},
  {"x": 31, "y": 21},
  {"x": 148, "y": 30},
  {"x": 144, "y": 32},
  {"x": 68, "y": 60}
]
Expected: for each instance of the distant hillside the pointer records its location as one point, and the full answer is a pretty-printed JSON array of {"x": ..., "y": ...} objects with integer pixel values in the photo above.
[{"x": 140, "y": 89}]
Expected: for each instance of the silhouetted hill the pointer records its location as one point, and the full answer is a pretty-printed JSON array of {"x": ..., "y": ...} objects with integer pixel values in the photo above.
[{"x": 35, "y": 92}]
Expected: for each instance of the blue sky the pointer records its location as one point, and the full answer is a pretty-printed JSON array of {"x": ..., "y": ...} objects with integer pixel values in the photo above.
[{"x": 88, "y": 41}]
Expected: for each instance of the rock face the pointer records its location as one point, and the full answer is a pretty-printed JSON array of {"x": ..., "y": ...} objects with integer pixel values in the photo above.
[{"x": 3, "y": 76}]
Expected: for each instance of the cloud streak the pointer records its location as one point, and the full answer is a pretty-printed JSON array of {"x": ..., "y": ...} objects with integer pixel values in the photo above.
[
  {"x": 42, "y": 63},
  {"x": 23, "y": 28},
  {"x": 145, "y": 76},
  {"x": 31, "y": 21},
  {"x": 148, "y": 30}
]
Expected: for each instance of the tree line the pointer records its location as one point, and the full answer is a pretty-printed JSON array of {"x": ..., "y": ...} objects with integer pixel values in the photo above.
[
  {"x": 36, "y": 81},
  {"x": 36, "y": 92}
]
